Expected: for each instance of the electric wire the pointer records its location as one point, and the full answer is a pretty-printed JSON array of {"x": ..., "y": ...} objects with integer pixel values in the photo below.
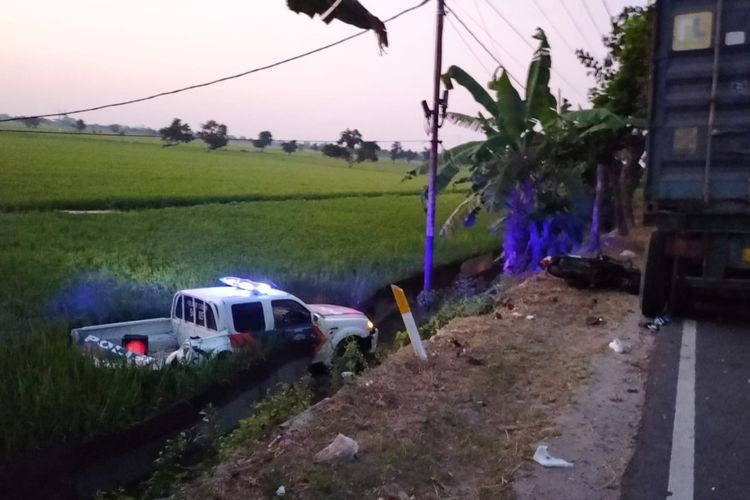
[
  {"x": 554, "y": 28},
  {"x": 453, "y": 13},
  {"x": 520, "y": 35},
  {"x": 606, "y": 7},
  {"x": 218, "y": 80},
  {"x": 578, "y": 26},
  {"x": 468, "y": 46},
  {"x": 495, "y": 43},
  {"x": 591, "y": 17}
]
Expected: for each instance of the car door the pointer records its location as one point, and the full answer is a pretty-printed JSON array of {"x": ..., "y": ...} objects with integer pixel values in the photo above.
[{"x": 292, "y": 323}]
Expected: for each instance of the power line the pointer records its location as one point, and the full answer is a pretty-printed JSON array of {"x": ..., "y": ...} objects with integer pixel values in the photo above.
[
  {"x": 479, "y": 60},
  {"x": 578, "y": 26},
  {"x": 453, "y": 13},
  {"x": 552, "y": 25},
  {"x": 591, "y": 17},
  {"x": 606, "y": 7},
  {"x": 520, "y": 35},
  {"x": 495, "y": 43},
  {"x": 219, "y": 80}
]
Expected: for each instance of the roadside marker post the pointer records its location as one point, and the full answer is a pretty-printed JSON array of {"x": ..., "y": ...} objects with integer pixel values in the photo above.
[{"x": 411, "y": 326}]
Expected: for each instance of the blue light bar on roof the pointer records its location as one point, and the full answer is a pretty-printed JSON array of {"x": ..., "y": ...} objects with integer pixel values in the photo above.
[{"x": 245, "y": 284}]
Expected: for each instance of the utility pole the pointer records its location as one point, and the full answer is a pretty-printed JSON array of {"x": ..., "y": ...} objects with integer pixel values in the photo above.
[{"x": 434, "y": 114}]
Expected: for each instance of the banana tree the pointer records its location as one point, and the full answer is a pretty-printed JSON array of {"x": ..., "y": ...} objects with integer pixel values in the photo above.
[
  {"x": 507, "y": 168},
  {"x": 599, "y": 136}
]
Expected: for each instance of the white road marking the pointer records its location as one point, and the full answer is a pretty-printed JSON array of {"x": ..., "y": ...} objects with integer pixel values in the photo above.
[{"x": 682, "y": 461}]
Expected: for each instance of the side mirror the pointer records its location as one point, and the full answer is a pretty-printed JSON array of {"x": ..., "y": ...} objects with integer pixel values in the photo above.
[{"x": 316, "y": 318}]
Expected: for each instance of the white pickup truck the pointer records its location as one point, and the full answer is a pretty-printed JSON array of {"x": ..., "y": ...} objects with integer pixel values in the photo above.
[{"x": 227, "y": 318}]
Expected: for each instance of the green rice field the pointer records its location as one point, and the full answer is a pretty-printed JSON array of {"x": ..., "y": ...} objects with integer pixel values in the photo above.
[
  {"x": 160, "y": 219},
  {"x": 51, "y": 171}
]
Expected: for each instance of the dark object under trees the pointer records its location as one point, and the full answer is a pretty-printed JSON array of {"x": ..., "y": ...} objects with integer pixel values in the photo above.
[
  {"x": 657, "y": 277},
  {"x": 176, "y": 133},
  {"x": 347, "y": 11},
  {"x": 214, "y": 135},
  {"x": 600, "y": 272}
]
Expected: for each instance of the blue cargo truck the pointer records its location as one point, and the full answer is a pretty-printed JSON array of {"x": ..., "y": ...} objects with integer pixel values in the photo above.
[{"x": 698, "y": 171}]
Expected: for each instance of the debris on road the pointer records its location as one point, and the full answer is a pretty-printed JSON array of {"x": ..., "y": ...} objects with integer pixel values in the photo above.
[
  {"x": 594, "y": 320},
  {"x": 627, "y": 254},
  {"x": 281, "y": 491},
  {"x": 530, "y": 317},
  {"x": 543, "y": 458},
  {"x": 342, "y": 448},
  {"x": 600, "y": 273},
  {"x": 617, "y": 346},
  {"x": 657, "y": 323}
]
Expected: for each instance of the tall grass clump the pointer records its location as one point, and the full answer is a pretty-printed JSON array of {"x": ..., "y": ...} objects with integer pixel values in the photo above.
[{"x": 54, "y": 395}]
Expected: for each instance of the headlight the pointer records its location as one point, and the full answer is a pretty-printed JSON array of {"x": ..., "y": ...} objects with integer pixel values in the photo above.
[{"x": 370, "y": 325}]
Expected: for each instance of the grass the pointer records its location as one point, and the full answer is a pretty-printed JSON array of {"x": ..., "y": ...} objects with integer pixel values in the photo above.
[
  {"x": 58, "y": 396},
  {"x": 334, "y": 235},
  {"x": 43, "y": 171},
  {"x": 345, "y": 247}
]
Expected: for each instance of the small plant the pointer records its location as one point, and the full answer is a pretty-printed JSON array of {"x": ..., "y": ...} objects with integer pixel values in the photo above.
[{"x": 270, "y": 412}]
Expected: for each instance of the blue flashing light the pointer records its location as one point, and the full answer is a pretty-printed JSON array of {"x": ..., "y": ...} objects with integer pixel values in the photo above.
[{"x": 244, "y": 284}]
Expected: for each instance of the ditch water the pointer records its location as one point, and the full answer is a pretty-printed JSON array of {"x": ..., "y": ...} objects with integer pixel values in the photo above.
[{"x": 127, "y": 457}]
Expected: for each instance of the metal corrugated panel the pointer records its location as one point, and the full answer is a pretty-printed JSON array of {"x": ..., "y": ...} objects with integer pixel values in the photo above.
[{"x": 701, "y": 83}]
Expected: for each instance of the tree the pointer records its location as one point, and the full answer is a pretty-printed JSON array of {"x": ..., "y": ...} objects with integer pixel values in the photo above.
[
  {"x": 350, "y": 138},
  {"x": 508, "y": 169},
  {"x": 367, "y": 151},
  {"x": 116, "y": 129},
  {"x": 174, "y": 134},
  {"x": 622, "y": 79},
  {"x": 214, "y": 134},
  {"x": 289, "y": 147},
  {"x": 264, "y": 139},
  {"x": 410, "y": 155},
  {"x": 79, "y": 125},
  {"x": 32, "y": 122},
  {"x": 336, "y": 151},
  {"x": 396, "y": 151}
]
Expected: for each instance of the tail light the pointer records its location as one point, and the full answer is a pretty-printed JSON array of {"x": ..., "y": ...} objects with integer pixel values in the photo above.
[
  {"x": 137, "y": 344},
  {"x": 319, "y": 335}
]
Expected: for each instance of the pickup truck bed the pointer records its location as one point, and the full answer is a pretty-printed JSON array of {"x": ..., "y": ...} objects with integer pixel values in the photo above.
[{"x": 161, "y": 338}]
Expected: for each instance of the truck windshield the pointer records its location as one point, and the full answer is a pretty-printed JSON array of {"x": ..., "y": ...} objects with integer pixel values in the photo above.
[{"x": 248, "y": 317}]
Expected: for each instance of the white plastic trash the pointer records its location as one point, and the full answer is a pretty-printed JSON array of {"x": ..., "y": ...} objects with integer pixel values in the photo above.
[
  {"x": 617, "y": 346},
  {"x": 543, "y": 458},
  {"x": 281, "y": 491}
]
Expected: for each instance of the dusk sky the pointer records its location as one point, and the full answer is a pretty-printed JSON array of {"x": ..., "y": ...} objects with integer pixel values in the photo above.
[{"x": 56, "y": 56}]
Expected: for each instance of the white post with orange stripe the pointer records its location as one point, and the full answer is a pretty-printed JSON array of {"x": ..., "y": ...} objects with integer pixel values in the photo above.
[{"x": 411, "y": 326}]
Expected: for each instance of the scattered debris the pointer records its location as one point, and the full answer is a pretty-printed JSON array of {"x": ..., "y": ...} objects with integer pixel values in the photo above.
[
  {"x": 516, "y": 314},
  {"x": 281, "y": 491},
  {"x": 498, "y": 315},
  {"x": 627, "y": 254},
  {"x": 633, "y": 391},
  {"x": 594, "y": 320},
  {"x": 657, "y": 323},
  {"x": 543, "y": 458},
  {"x": 347, "y": 375},
  {"x": 530, "y": 317},
  {"x": 342, "y": 448},
  {"x": 617, "y": 346},
  {"x": 601, "y": 272},
  {"x": 474, "y": 361}
]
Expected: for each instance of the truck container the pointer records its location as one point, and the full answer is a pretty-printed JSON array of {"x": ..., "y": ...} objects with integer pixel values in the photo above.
[{"x": 698, "y": 169}]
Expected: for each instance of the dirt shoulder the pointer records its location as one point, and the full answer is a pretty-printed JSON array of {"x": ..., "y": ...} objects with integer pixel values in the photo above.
[{"x": 465, "y": 424}]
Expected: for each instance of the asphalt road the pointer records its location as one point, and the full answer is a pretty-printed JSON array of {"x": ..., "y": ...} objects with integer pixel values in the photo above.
[{"x": 694, "y": 440}]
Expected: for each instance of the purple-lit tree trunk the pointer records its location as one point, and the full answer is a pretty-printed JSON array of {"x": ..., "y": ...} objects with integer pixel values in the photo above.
[
  {"x": 516, "y": 239},
  {"x": 596, "y": 223}
]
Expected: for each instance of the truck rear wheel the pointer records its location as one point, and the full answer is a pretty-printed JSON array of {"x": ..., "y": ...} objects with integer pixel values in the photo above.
[{"x": 657, "y": 276}]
